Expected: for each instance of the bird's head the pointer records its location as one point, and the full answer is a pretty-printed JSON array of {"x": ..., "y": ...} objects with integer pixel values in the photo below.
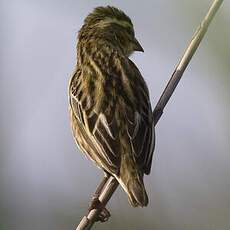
[{"x": 112, "y": 26}]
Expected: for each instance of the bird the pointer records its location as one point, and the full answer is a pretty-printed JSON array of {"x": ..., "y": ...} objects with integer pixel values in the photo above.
[{"x": 109, "y": 102}]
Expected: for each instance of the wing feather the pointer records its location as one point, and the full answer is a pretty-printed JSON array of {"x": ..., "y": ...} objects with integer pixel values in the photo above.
[
  {"x": 140, "y": 126},
  {"x": 99, "y": 130}
]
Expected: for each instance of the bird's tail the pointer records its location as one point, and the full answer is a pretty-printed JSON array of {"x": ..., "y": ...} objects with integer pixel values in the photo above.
[
  {"x": 134, "y": 187},
  {"x": 137, "y": 193},
  {"x": 131, "y": 179}
]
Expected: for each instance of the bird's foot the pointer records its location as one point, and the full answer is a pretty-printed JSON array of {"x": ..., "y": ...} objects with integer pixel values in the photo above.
[{"x": 104, "y": 213}]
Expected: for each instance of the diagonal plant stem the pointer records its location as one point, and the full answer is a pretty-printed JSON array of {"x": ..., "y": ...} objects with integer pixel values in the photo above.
[
  {"x": 112, "y": 184},
  {"x": 183, "y": 63}
]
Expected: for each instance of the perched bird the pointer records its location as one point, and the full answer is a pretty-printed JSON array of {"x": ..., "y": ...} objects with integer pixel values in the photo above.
[{"x": 110, "y": 110}]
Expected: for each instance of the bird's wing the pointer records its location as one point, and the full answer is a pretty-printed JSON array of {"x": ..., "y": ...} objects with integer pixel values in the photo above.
[
  {"x": 94, "y": 113},
  {"x": 139, "y": 120}
]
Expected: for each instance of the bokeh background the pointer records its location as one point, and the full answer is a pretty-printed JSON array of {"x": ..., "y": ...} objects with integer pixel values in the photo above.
[{"x": 46, "y": 184}]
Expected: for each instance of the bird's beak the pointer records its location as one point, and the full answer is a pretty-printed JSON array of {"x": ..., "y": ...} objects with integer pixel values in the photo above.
[{"x": 137, "y": 46}]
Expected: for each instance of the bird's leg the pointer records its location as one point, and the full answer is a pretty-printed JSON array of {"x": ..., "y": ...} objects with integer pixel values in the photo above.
[{"x": 96, "y": 203}]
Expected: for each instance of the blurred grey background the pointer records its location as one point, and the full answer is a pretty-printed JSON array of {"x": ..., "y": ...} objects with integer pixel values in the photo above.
[{"x": 46, "y": 184}]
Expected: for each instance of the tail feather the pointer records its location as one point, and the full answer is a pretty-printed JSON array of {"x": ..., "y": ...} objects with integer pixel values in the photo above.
[
  {"x": 137, "y": 193},
  {"x": 131, "y": 179}
]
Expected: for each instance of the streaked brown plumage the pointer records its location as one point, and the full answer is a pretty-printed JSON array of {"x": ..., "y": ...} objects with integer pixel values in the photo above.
[{"x": 111, "y": 114}]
